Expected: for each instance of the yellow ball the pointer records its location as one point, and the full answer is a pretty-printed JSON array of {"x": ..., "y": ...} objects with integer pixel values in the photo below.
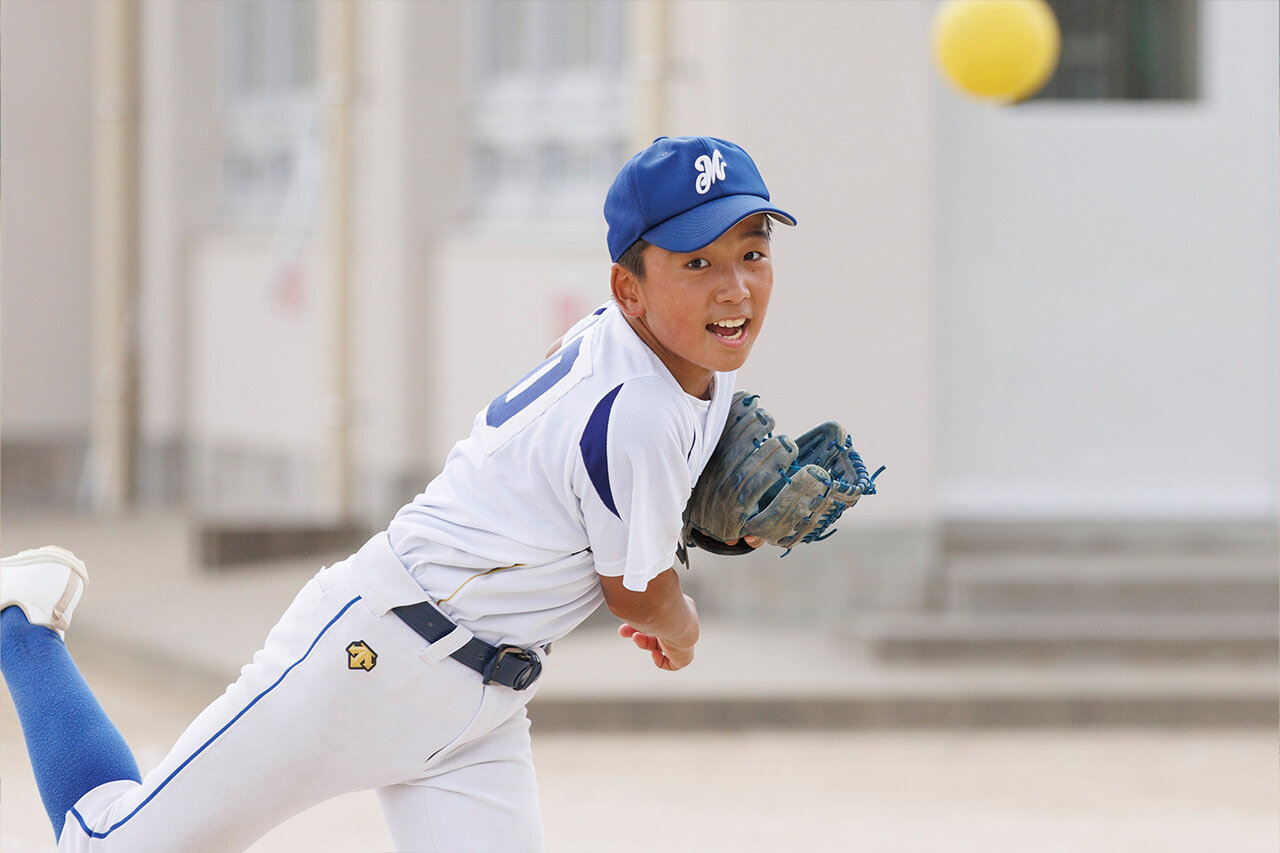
[{"x": 1002, "y": 50}]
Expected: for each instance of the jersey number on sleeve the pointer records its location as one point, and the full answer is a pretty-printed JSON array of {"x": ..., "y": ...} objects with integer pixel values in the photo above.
[{"x": 534, "y": 394}]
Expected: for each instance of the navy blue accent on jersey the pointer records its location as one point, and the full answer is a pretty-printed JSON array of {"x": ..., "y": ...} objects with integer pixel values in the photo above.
[
  {"x": 503, "y": 409},
  {"x": 216, "y": 735},
  {"x": 600, "y": 310},
  {"x": 595, "y": 448},
  {"x": 72, "y": 743}
]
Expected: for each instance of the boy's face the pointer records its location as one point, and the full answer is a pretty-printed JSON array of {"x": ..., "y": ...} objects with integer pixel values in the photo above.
[{"x": 682, "y": 305}]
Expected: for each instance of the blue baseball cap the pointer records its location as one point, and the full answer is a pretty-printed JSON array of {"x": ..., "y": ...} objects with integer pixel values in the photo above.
[{"x": 681, "y": 193}]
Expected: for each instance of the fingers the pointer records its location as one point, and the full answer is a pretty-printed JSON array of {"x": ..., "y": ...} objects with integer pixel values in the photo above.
[
  {"x": 754, "y": 541},
  {"x": 654, "y": 647},
  {"x": 649, "y": 644},
  {"x": 644, "y": 641}
]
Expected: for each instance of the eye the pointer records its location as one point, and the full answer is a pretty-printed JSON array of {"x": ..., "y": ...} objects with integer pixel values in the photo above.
[
  {"x": 753, "y": 255},
  {"x": 698, "y": 264}
]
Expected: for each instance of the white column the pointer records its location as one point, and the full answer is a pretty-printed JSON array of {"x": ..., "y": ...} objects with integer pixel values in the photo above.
[
  {"x": 337, "y": 56},
  {"x": 113, "y": 419}
]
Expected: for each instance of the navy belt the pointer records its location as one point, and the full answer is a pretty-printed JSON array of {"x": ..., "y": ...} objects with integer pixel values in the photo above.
[{"x": 510, "y": 666}]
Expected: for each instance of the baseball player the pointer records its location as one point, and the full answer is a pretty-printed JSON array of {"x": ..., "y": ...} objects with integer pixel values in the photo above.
[{"x": 407, "y": 667}]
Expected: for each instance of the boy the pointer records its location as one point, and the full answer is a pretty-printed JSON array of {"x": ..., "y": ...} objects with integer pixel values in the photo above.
[{"x": 568, "y": 492}]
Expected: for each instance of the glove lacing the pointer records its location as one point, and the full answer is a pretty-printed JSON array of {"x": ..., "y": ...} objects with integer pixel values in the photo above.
[{"x": 865, "y": 486}]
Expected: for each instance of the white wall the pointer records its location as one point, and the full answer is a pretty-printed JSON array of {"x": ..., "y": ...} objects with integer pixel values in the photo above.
[
  {"x": 1109, "y": 296},
  {"x": 502, "y": 297},
  {"x": 178, "y": 169},
  {"x": 834, "y": 102},
  {"x": 257, "y": 378},
  {"x": 253, "y": 355},
  {"x": 384, "y": 238},
  {"x": 408, "y": 185},
  {"x": 45, "y": 185}
]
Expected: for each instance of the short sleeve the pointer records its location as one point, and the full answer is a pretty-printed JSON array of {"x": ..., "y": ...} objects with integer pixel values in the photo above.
[{"x": 635, "y": 479}]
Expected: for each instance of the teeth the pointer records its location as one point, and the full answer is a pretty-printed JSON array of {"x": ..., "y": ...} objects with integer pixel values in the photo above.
[{"x": 731, "y": 324}]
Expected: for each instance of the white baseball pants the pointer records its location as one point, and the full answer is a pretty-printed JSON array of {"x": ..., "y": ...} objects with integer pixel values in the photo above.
[{"x": 449, "y": 756}]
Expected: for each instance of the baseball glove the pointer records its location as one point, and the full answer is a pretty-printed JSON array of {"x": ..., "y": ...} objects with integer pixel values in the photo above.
[{"x": 783, "y": 491}]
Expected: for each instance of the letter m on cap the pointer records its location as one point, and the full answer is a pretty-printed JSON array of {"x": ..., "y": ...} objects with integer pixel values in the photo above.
[{"x": 710, "y": 169}]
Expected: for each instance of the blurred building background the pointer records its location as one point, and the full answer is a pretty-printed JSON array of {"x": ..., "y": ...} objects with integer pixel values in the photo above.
[{"x": 263, "y": 261}]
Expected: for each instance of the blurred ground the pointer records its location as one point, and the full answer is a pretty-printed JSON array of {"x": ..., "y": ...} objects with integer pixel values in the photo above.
[{"x": 1126, "y": 791}]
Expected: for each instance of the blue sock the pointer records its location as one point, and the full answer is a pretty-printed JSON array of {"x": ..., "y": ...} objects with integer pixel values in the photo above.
[{"x": 72, "y": 744}]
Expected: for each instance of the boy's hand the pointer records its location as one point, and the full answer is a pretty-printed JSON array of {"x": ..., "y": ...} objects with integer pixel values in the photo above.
[{"x": 666, "y": 655}]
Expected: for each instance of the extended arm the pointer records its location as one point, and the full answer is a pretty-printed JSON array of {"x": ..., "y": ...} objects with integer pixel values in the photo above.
[{"x": 661, "y": 620}]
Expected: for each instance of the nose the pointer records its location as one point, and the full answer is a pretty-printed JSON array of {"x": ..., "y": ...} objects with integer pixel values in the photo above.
[{"x": 735, "y": 287}]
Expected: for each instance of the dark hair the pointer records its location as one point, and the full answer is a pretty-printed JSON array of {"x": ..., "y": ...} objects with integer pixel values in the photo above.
[{"x": 632, "y": 260}]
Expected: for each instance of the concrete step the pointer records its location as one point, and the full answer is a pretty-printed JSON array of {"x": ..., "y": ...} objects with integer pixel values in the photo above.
[
  {"x": 1169, "y": 583},
  {"x": 969, "y": 710},
  {"x": 744, "y": 678},
  {"x": 1140, "y": 638},
  {"x": 1207, "y": 538}
]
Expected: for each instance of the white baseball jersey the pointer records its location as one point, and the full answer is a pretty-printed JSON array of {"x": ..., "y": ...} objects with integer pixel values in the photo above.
[{"x": 583, "y": 467}]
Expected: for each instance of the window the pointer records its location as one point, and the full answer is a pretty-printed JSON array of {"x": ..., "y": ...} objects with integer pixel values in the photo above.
[
  {"x": 548, "y": 112},
  {"x": 1125, "y": 50},
  {"x": 270, "y": 110}
]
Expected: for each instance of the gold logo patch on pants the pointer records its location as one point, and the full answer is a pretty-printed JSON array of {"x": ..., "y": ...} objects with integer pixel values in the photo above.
[{"x": 360, "y": 656}]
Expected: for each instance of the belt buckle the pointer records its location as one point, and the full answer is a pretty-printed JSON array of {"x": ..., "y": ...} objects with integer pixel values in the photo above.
[{"x": 523, "y": 678}]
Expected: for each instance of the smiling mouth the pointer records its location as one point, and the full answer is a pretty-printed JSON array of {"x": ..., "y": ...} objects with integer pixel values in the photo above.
[{"x": 730, "y": 330}]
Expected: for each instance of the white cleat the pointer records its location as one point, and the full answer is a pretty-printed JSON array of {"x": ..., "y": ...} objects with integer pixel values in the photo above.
[{"x": 46, "y": 583}]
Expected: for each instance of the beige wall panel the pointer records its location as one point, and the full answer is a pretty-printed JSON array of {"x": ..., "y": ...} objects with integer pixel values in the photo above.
[
  {"x": 408, "y": 147},
  {"x": 829, "y": 101},
  {"x": 178, "y": 169},
  {"x": 257, "y": 351},
  {"x": 44, "y": 245},
  {"x": 505, "y": 296}
]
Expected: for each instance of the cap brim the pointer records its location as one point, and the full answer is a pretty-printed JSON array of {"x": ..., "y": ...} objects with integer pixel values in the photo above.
[{"x": 705, "y": 224}]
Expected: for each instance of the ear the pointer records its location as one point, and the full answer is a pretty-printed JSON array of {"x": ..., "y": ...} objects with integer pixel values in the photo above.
[{"x": 626, "y": 291}]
